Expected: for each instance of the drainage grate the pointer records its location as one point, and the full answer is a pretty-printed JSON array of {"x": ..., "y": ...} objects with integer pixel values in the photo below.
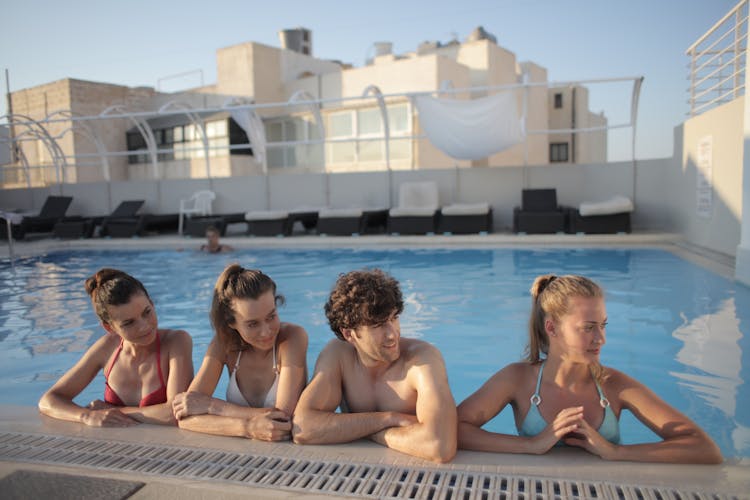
[{"x": 312, "y": 476}]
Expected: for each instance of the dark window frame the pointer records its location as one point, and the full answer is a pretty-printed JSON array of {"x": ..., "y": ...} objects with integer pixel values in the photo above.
[
  {"x": 558, "y": 100},
  {"x": 558, "y": 152}
]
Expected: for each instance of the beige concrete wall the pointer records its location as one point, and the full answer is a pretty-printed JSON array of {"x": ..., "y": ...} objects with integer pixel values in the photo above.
[
  {"x": 294, "y": 66},
  {"x": 719, "y": 231},
  {"x": 537, "y": 115},
  {"x": 594, "y": 143},
  {"x": 83, "y": 98},
  {"x": 90, "y": 99},
  {"x": 36, "y": 103},
  {"x": 403, "y": 75},
  {"x": 234, "y": 70},
  {"x": 583, "y": 147}
]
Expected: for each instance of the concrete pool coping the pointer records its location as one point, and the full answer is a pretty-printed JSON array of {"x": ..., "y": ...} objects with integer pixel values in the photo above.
[
  {"x": 729, "y": 480},
  {"x": 719, "y": 263}
]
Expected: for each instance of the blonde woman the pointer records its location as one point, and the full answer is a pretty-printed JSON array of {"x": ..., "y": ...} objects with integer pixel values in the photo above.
[
  {"x": 562, "y": 394},
  {"x": 265, "y": 359}
]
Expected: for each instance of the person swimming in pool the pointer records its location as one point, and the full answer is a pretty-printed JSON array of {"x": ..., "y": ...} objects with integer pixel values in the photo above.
[
  {"x": 144, "y": 366},
  {"x": 266, "y": 360},
  {"x": 562, "y": 394},
  {"x": 212, "y": 244},
  {"x": 391, "y": 390}
]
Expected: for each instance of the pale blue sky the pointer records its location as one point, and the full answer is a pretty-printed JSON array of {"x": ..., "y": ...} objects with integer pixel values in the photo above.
[{"x": 138, "y": 42}]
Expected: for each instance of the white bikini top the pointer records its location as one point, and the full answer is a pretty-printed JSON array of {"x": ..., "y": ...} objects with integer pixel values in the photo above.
[{"x": 234, "y": 395}]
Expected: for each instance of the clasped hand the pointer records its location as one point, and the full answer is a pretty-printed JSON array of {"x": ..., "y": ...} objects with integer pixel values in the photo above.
[
  {"x": 570, "y": 427},
  {"x": 103, "y": 414},
  {"x": 186, "y": 404}
]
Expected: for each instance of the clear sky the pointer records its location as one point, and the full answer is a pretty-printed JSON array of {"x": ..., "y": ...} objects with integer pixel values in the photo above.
[{"x": 140, "y": 42}]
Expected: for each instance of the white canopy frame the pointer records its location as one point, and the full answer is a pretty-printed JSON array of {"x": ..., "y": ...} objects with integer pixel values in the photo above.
[
  {"x": 87, "y": 131},
  {"x": 197, "y": 123},
  {"x": 143, "y": 127},
  {"x": 37, "y": 131}
]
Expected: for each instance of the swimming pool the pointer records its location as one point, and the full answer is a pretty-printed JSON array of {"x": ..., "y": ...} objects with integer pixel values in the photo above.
[{"x": 673, "y": 325}]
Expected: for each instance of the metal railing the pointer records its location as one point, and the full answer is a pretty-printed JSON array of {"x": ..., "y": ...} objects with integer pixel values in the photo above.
[
  {"x": 58, "y": 162},
  {"x": 717, "y": 62}
]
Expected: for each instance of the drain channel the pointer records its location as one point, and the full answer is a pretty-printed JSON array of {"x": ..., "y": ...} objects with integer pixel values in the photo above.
[{"x": 313, "y": 476}]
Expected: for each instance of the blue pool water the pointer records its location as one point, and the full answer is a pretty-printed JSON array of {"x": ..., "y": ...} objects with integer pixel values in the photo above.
[{"x": 677, "y": 327}]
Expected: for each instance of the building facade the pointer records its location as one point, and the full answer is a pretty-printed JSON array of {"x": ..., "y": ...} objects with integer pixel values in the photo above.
[{"x": 136, "y": 133}]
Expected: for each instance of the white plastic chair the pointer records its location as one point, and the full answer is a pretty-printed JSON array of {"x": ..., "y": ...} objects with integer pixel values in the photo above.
[{"x": 198, "y": 204}]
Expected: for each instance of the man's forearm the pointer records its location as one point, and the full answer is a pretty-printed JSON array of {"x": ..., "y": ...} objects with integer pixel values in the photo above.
[
  {"x": 323, "y": 427},
  {"x": 418, "y": 440}
]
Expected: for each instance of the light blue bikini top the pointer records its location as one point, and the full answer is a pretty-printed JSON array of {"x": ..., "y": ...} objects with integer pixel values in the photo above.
[
  {"x": 235, "y": 396},
  {"x": 534, "y": 423}
]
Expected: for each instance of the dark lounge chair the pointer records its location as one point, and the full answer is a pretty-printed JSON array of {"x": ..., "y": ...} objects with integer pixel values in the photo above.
[
  {"x": 348, "y": 221},
  {"x": 539, "y": 213},
  {"x": 268, "y": 223},
  {"x": 84, "y": 227},
  {"x": 124, "y": 222},
  {"x": 417, "y": 210},
  {"x": 52, "y": 212},
  {"x": 606, "y": 217},
  {"x": 466, "y": 218}
]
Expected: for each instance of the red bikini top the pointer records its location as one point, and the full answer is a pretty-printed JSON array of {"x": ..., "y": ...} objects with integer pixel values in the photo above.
[{"x": 157, "y": 397}]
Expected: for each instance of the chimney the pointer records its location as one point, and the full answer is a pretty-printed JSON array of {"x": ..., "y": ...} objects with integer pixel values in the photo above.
[{"x": 297, "y": 39}]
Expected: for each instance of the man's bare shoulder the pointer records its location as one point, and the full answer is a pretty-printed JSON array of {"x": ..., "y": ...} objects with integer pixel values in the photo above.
[
  {"x": 415, "y": 351},
  {"x": 337, "y": 349}
]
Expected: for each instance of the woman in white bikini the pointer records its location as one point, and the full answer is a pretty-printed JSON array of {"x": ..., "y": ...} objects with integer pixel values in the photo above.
[
  {"x": 562, "y": 395},
  {"x": 265, "y": 358}
]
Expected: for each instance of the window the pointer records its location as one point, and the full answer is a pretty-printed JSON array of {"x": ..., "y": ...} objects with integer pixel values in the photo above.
[
  {"x": 136, "y": 142},
  {"x": 182, "y": 142},
  {"x": 237, "y": 136},
  {"x": 294, "y": 129},
  {"x": 558, "y": 152},
  {"x": 558, "y": 100},
  {"x": 216, "y": 129},
  {"x": 364, "y": 127},
  {"x": 341, "y": 126}
]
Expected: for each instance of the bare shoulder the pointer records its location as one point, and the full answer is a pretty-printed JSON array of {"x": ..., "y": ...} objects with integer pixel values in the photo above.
[
  {"x": 617, "y": 381},
  {"x": 338, "y": 349},
  {"x": 216, "y": 351},
  {"x": 177, "y": 341},
  {"x": 515, "y": 374},
  {"x": 289, "y": 332},
  {"x": 417, "y": 351},
  {"x": 108, "y": 341},
  {"x": 104, "y": 346},
  {"x": 176, "y": 337}
]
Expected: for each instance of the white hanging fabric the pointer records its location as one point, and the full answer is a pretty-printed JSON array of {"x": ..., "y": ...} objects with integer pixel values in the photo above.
[
  {"x": 471, "y": 129},
  {"x": 251, "y": 123}
]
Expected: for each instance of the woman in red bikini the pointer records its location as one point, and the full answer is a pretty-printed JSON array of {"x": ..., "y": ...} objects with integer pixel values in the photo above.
[{"x": 144, "y": 366}]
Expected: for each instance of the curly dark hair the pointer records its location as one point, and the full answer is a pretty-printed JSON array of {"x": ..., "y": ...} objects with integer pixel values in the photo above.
[{"x": 365, "y": 297}]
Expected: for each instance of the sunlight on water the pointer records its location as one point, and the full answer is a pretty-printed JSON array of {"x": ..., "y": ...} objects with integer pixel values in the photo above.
[{"x": 678, "y": 328}]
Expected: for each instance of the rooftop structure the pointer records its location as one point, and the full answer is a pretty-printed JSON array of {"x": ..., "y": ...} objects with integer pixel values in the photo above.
[{"x": 345, "y": 118}]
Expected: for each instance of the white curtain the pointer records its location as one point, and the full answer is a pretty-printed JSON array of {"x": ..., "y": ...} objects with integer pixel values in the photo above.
[
  {"x": 251, "y": 123},
  {"x": 471, "y": 129}
]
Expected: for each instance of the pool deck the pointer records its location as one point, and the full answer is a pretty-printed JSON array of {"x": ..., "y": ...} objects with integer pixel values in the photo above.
[
  {"x": 565, "y": 466},
  {"x": 28, "y": 440}
]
